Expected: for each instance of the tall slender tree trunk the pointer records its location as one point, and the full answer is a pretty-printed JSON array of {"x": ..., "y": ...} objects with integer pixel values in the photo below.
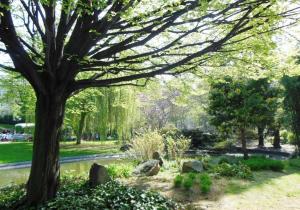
[
  {"x": 80, "y": 127},
  {"x": 244, "y": 143},
  {"x": 276, "y": 142},
  {"x": 44, "y": 175},
  {"x": 260, "y": 132}
]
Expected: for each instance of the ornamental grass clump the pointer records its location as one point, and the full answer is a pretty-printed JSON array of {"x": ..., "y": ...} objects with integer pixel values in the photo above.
[{"x": 144, "y": 145}]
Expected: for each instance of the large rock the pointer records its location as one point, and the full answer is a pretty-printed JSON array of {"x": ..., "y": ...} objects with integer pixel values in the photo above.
[
  {"x": 98, "y": 175},
  {"x": 157, "y": 156},
  {"x": 192, "y": 166},
  {"x": 125, "y": 147},
  {"x": 148, "y": 168}
]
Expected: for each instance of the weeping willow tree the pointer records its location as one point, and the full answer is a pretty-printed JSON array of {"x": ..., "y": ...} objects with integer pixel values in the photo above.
[
  {"x": 108, "y": 112},
  {"x": 117, "y": 113}
]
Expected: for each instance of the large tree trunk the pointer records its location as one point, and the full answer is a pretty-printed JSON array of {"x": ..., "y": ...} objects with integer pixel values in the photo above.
[
  {"x": 276, "y": 142},
  {"x": 80, "y": 127},
  {"x": 244, "y": 143},
  {"x": 260, "y": 132},
  {"x": 44, "y": 175}
]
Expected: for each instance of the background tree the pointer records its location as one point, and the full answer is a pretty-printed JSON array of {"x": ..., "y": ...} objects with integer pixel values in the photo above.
[
  {"x": 79, "y": 107},
  {"x": 267, "y": 102},
  {"x": 107, "y": 41},
  {"x": 292, "y": 103},
  {"x": 238, "y": 104}
]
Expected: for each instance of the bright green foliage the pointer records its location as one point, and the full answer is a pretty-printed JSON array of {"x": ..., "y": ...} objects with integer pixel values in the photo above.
[
  {"x": 75, "y": 193},
  {"x": 120, "y": 170},
  {"x": 205, "y": 183},
  {"x": 178, "y": 181},
  {"x": 109, "y": 112},
  {"x": 187, "y": 181},
  {"x": 236, "y": 170},
  {"x": 19, "y": 96},
  {"x": 262, "y": 163}
]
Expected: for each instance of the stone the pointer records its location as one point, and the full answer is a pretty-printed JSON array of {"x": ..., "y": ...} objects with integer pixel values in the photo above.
[
  {"x": 148, "y": 168},
  {"x": 125, "y": 147},
  {"x": 157, "y": 156},
  {"x": 98, "y": 175},
  {"x": 192, "y": 166}
]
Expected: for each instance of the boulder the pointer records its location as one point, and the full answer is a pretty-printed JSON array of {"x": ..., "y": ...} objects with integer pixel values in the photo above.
[
  {"x": 98, "y": 175},
  {"x": 192, "y": 166},
  {"x": 157, "y": 156},
  {"x": 125, "y": 147},
  {"x": 148, "y": 168}
]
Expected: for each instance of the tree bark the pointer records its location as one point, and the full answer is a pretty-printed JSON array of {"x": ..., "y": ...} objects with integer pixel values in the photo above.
[
  {"x": 276, "y": 142},
  {"x": 260, "y": 132},
  {"x": 244, "y": 143},
  {"x": 80, "y": 127},
  {"x": 44, "y": 174}
]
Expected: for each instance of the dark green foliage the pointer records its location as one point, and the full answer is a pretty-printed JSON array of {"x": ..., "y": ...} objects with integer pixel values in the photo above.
[
  {"x": 235, "y": 104},
  {"x": 294, "y": 162},
  {"x": 192, "y": 175},
  {"x": 292, "y": 103},
  {"x": 224, "y": 145},
  {"x": 257, "y": 163},
  {"x": 236, "y": 170},
  {"x": 178, "y": 181},
  {"x": 75, "y": 194},
  {"x": 205, "y": 183},
  {"x": 11, "y": 194},
  {"x": 223, "y": 160}
]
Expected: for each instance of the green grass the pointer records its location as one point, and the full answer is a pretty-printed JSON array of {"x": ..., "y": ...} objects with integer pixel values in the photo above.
[
  {"x": 257, "y": 163},
  {"x": 6, "y": 126},
  {"x": 18, "y": 152}
]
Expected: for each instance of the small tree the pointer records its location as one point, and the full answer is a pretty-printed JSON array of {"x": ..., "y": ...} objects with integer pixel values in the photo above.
[
  {"x": 236, "y": 105},
  {"x": 292, "y": 103},
  {"x": 266, "y": 95}
]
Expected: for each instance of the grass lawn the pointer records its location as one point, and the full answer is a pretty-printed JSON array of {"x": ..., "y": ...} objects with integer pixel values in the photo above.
[
  {"x": 6, "y": 126},
  {"x": 17, "y": 152}
]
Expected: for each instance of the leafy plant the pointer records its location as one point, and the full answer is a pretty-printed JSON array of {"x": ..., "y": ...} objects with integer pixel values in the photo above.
[
  {"x": 74, "y": 193},
  {"x": 120, "y": 171},
  {"x": 205, "y": 183},
  {"x": 178, "y": 181},
  {"x": 235, "y": 170},
  {"x": 188, "y": 183}
]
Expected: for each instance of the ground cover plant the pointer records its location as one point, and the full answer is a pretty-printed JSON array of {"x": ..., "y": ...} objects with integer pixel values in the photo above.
[
  {"x": 235, "y": 170},
  {"x": 75, "y": 193}
]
